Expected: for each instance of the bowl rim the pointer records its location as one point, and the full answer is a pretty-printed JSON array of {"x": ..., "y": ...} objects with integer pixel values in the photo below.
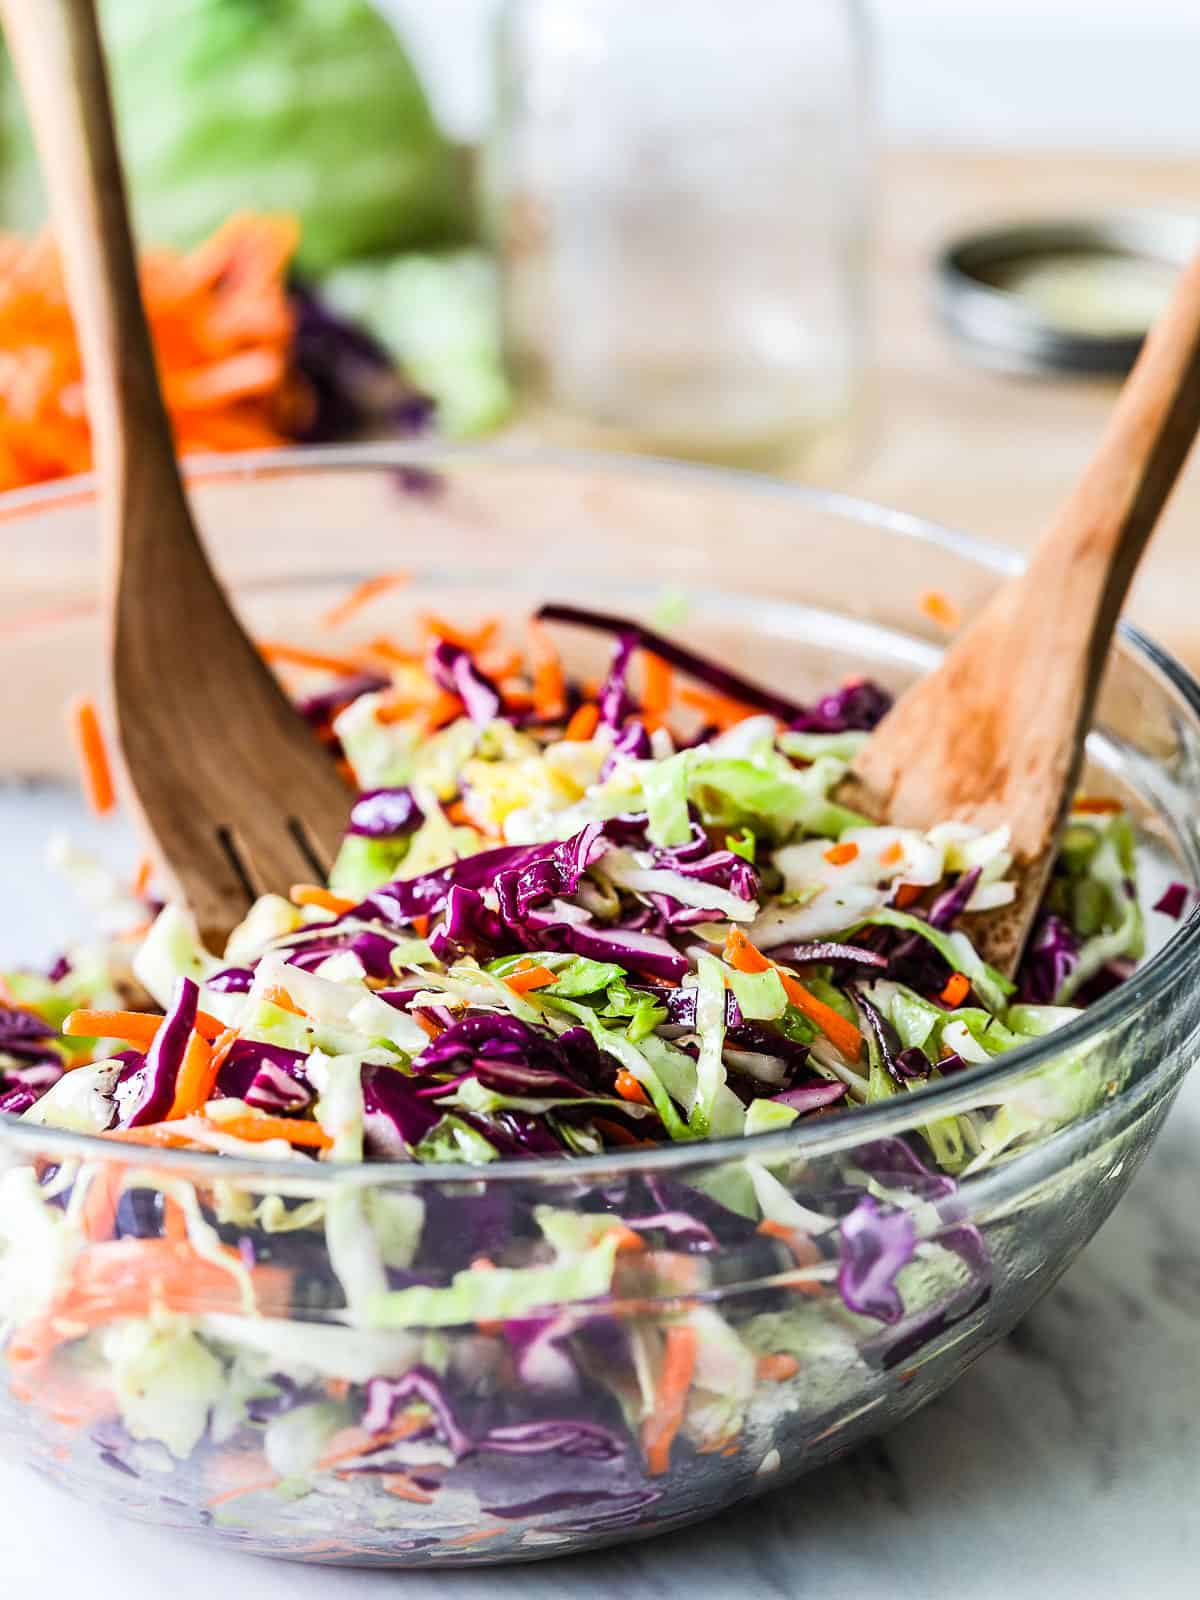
[{"x": 837, "y": 1130}]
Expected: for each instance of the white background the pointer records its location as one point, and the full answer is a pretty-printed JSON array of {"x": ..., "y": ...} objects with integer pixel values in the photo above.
[{"x": 1115, "y": 74}]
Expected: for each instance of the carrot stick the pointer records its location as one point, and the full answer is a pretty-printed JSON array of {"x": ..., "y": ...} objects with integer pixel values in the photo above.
[
  {"x": 675, "y": 1379},
  {"x": 259, "y": 1127},
  {"x": 161, "y": 1135},
  {"x": 549, "y": 680},
  {"x": 777, "y": 1368},
  {"x": 718, "y": 708},
  {"x": 362, "y": 596},
  {"x": 277, "y": 996},
  {"x": 958, "y": 987},
  {"x": 197, "y": 1077},
  {"x": 310, "y": 894},
  {"x": 403, "y": 1487},
  {"x": 630, "y": 1089},
  {"x": 141, "y": 878},
  {"x": 132, "y": 1027},
  {"x": 658, "y": 684},
  {"x": 740, "y": 953},
  {"x": 531, "y": 978},
  {"x": 100, "y": 1204},
  {"x": 446, "y": 708},
  {"x": 472, "y": 642},
  {"x": 352, "y": 1442},
  {"x": 318, "y": 661},
  {"x": 908, "y": 894},
  {"x": 583, "y": 723},
  {"x": 90, "y": 749}
]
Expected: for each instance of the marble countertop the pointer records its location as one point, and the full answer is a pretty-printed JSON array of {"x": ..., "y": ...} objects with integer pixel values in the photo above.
[{"x": 1066, "y": 1462}]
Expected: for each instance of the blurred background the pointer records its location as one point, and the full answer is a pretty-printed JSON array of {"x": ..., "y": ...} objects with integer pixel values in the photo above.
[{"x": 906, "y": 248}]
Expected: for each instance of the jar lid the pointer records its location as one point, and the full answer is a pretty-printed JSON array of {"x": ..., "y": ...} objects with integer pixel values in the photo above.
[{"x": 1063, "y": 296}]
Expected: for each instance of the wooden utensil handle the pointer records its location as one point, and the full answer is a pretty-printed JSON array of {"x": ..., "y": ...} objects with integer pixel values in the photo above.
[
  {"x": 52, "y": 42},
  {"x": 1105, "y": 524}
]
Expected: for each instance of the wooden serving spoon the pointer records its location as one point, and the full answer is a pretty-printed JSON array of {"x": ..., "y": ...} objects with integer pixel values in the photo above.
[
  {"x": 234, "y": 793},
  {"x": 995, "y": 734}
]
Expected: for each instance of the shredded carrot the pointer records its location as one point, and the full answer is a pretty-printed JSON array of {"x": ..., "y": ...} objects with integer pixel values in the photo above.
[
  {"x": 161, "y": 1135},
  {"x": 337, "y": 1388},
  {"x": 292, "y": 655},
  {"x": 174, "y": 1221},
  {"x": 426, "y": 1024},
  {"x": 275, "y": 995},
  {"x": 617, "y": 1133},
  {"x": 197, "y": 1078},
  {"x": 398, "y": 709},
  {"x": 403, "y": 1487},
  {"x": 675, "y": 1379},
  {"x": 260, "y": 1127},
  {"x": 222, "y": 328},
  {"x": 1097, "y": 805},
  {"x": 131, "y": 1027},
  {"x": 939, "y": 608},
  {"x": 804, "y": 1252},
  {"x": 457, "y": 813},
  {"x": 352, "y": 1442},
  {"x": 958, "y": 986},
  {"x": 128, "y": 1277},
  {"x": 311, "y": 894},
  {"x": 832, "y": 1024},
  {"x": 236, "y": 1474},
  {"x": 93, "y": 756},
  {"x": 549, "y": 679},
  {"x": 254, "y": 1128},
  {"x": 389, "y": 650},
  {"x": 362, "y": 596},
  {"x": 717, "y": 708},
  {"x": 583, "y": 723},
  {"x": 841, "y": 855},
  {"x": 893, "y": 855},
  {"x": 499, "y": 663},
  {"x": 475, "y": 1536},
  {"x": 657, "y": 684},
  {"x": 141, "y": 878},
  {"x": 100, "y": 1203},
  {"x": 629, "y": 1088},
  {"x": 255, "y": 1486},
  {"x": 740, "y": 953},
  {"x": 532, "y": 978},
  {"x": 472, "y": 641},
  {"x": 420, "y": 925},
  {"x": 907, "y": 894},
  {"x": 777, "y": 1368},
  {"x": 446, "y": 708}
]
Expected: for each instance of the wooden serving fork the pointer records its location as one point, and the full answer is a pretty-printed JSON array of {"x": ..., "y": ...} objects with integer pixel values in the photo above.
[{"x": 995, "y": 734}]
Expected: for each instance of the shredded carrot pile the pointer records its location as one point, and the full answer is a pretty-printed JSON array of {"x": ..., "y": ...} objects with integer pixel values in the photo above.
[{"x": 222, "y": 328}]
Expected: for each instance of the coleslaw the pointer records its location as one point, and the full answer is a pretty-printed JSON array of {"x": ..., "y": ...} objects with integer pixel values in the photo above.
[{"x": 568, "y": 919}]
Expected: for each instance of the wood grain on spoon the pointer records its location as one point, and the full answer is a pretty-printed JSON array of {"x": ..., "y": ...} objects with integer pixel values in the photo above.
[
  {"x": 995, "y": 734},
  {"x": 227, "y": 779}
]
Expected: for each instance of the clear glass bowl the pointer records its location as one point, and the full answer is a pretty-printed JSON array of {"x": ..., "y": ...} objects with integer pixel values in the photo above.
[{"x": 801, "y": 589}]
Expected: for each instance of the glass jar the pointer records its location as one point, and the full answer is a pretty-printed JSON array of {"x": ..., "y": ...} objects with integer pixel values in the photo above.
[{"x": 679, "y": 195}]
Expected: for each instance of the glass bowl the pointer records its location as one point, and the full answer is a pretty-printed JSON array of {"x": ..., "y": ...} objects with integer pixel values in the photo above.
[{"x": 565, "y": 1429}]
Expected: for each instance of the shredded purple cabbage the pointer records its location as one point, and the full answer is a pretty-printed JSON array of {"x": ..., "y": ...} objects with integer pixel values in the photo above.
[{"x": 875, "y": 1245}]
